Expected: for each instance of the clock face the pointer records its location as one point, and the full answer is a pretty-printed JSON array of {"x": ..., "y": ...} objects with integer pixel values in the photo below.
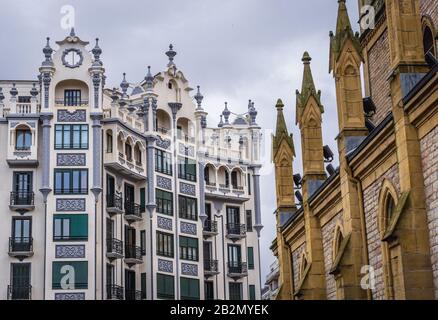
[{"x": 72, "y": 58}]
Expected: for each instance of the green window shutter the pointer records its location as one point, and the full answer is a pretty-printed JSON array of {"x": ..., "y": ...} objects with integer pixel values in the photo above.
[
  {"x": 189, "y": 288},
  {"x": 250, "y": 258},
  {"x": 78, "y": 225},
  {"x": 252, "y": 292},
  {"x": 79, "y": 275},
  {"x": 165, "y": 286}
]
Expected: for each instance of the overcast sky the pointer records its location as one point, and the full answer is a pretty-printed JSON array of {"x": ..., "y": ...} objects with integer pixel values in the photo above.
[{"x": 234, "y": 49}]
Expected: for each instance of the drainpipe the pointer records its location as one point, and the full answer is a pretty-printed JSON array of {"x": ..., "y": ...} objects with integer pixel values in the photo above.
[{"x": 150, "y": 149}]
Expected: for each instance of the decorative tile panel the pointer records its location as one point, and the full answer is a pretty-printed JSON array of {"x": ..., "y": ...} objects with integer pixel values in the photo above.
[
  {"x": 188, "y": 228},
  {"x": 188, "y": 189},
  {"x": 163, "y": 143},
  {"x": 74, "y": 205},
  {"x": 75, "y": 116},
  {"x": 186, "y": 150},
  {"x": 70, "y": 251},
  {"x": 164, "y": 183},
  {"x": 164, "y": 223},
  {"x": 165, "y": 266},
  {"x": 188, "y": 269},
  {"x": 70, "y": 296},
  {"x": 71, "y": 159}
]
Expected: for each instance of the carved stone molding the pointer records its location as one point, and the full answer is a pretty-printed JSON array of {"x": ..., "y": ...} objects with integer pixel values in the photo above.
[
  {"x": 75, "y": 116},
  {"x": 70, "y": 251},
  {"x": 71, "y": 159},
  {"x": 72, "y": 205},
  {"x": 188, "y": 228}
]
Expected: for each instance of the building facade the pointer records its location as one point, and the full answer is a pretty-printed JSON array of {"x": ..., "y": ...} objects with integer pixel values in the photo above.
[
  {"x": 124, "y": 193},
  {"x": 367, "y": 229}
]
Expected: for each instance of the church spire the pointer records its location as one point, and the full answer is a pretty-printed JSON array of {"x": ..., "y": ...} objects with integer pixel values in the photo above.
[{"x": 281, "y": 131}]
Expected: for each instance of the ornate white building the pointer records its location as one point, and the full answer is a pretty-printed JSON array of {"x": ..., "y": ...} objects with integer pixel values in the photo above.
[{"x": 124, "y": 193}]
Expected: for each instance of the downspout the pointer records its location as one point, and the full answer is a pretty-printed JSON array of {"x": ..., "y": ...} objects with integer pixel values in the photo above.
[{"x": 150, "y": 140}]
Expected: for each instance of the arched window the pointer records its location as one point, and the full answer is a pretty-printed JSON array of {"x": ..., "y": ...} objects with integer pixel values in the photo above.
[
  {"x": 339, "y": 237},
  {"x": 137, "y": 155},
  {"x": 128, "y": 151},
  {"x": 428, "y": 41},
  {"x": 387, "y": 203},
  {"x": 389, "y": 209},
  {"x": 303, "y": 264},
  {"x": 109, "y": 142},
  {"x": 23, "y": 138}
]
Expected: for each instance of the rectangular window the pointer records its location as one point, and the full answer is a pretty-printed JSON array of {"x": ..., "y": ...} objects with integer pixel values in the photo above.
[
  {"x": 249, "y": 220},
  {"x": 188, "y": 208},
  {"x": 235, "y": 291},
  {"x": 70, "y": 227},
  {"x": 71, "y": 136},
  {"x": 23, "y": 139},
  {"x": 188, "y": 248},
  {"x": 252, "y": 292},
  {"x": 165, "y": 287},
  {"x": 72, "y": 98},
  {"x": 71, "y": 181},
  {"x": 143, "y": 199},
  {"x": 143, "y": 286},
  {"x": 187, "y": 169},
  {"x": 78, "y": 268},
  {"x": 209, "y": 290},
  {"x": 143, "y": 242},
  {"x": 250, "y": 258},
  {"x": 163, "y": 162},
  {"x": 164, "y": 202},
  {"x": 164, "y": 244},
  {"x": 21, "y": 240},
  {"x": 22, "y": 193},
  {"x": 189, "y": 289}
]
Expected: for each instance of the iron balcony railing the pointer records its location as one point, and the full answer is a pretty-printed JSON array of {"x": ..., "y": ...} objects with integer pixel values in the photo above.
[
  {"x": 211, "y": 265},
  {"x": 210, "y": 226},
  {"x": 114, "y": 246},
  {"x": 237, "y": 267},
  {"x": 70, "y": 238},
  {"x": 114, "y": 292},
  {"x": 133, "y": 252},
  {"x": 236, "y": 229},
  {"x": 71, "y": 102},
  {"x": 20, "y": 244},
  {"x": 19, "y": 292},
  {"x": 133, "y": 209},
  {"x": 114, "y": 201},
  {"x": 72, "y": 191},
  {"x": 133, "y": 295},
  {"x": 22, "y": 198}
]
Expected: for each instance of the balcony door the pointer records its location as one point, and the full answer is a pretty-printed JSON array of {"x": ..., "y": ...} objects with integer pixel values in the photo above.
[
  {"x": 109, "y": 228},
  {"x": 22, "y": 187},
  {"x": 20, "y": 282},
  {"x": 234, "y": 255},
  {"x": 110, "y": 279},
  {"x": 21, "y": 234},
  {"x": 233, "y": 216},
  {"x": 130, "y": 285},
  {"x": 110, "y": 186},
  {"x": 208, "y": 251},
  {"x": 129, "y": 194}
]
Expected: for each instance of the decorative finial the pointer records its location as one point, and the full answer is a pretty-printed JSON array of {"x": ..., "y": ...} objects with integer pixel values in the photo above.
[
  {"x": 124, "y": 85},
  {"x": 34, "y": 91},
  {"x": 279, "y": 105},
  {"x": 226, "y": 113},
  {"x": 199, "y": 97},
  {"x": 221, "y": 123},
  {"x": 97, "y": 51},
  {"x": 253, "y": 114},
  {"x": 149, "y": 79},
  {"x": 306, "y": 58},
  {"x": 171, "y": 55},
  {"x": 14, "y": 91},
  {"x": 72, "y": 32},
  {"x": 249, "y": 104},
  {"x": 48, "y": 51}
]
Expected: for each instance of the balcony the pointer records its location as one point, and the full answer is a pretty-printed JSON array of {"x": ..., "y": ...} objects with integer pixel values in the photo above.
[
  {"x": 114, "y": 248},
  {"x": 163, "y": 130},
  {"x": 71, "y": 103},
  {"x": 237, "y": 270},
  {"x": 133, "y": 295},
  {"x": 211, "y": 186},
  {"x": 22, "y": 201},
  {"x": 211, "y": 267},
  {"x": 114, "y": 204},
  {"x": 210, "y": 228},
  {"x": 20, "y": 247},
  {"x": 19, "y": 292},
  {"x": 238, "y": 190},
  {"x": 133, "y": 212},
  {"x": 114, "y": 292},
  {"x": 117, "y": 163},
  {"x": 226, "y": 193},
  {"x": 236, "y": 231},
  {"x": 133, "y": 255}
]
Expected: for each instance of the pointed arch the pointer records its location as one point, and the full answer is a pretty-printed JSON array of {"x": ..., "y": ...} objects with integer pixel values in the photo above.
[
  {"x": 338, "y": 238},
  {"x": 304, "y": 262},
  {"x": 429, "y": 36},
  {"x": 387, "y": 202}
]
